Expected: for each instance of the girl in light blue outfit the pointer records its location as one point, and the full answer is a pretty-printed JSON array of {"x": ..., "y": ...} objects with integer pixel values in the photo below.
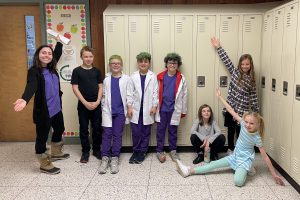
[{"x": 241, "y": 160}]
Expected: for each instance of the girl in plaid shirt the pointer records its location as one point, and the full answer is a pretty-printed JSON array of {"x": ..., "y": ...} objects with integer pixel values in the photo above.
[{"x": 242, "y": 94}]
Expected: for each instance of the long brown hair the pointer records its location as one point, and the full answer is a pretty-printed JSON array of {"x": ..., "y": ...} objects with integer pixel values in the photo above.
[
  {"x": 37, "y": 63},
  {"x": 251, "y": 72},
  {"x": 210, "y": 120},
  {"x": 260, "y": 121}
]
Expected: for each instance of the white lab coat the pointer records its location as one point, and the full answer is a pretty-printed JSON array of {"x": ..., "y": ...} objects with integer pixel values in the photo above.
[
  {"x": 134, "y": 96},
  {"x": 106, "y": 99},
  {"x": 180, "y": 106}
]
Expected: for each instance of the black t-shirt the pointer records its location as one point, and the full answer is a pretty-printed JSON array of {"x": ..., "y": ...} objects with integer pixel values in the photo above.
[{"x": 88, "y": 81}]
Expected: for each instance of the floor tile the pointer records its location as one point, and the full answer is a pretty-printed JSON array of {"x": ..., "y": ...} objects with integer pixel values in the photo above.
[
  {"x": 9, "y": 193},
  {"x": 285, "y": 193},
  {"x": 51, "y": 193},
  {"x": 241, "y": 193},
  {"x": 179, "y": 192},
  {"x": 115, "y": 192}
]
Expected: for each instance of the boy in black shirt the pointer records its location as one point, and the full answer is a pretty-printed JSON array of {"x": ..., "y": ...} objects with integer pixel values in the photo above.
[{"x": 87, "y": 86}]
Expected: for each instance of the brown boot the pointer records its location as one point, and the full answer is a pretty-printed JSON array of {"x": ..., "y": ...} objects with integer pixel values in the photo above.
[
  {"x": 57, "y": 151},
  {"x": 46, "y": 165}
]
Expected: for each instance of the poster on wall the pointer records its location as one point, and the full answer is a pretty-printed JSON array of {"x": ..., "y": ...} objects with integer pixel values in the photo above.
[
  {"x": 68, "y": 20},
  {"x": 30, "y": 39}
]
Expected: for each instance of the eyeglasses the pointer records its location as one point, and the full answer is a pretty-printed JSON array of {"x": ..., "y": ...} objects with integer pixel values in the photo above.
[
  {"x": 172, "y": 63},
  {"x": 115, "y": 63}
]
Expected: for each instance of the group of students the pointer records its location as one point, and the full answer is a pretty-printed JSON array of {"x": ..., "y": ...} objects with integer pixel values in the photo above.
[{"x": 142, "y": 99}]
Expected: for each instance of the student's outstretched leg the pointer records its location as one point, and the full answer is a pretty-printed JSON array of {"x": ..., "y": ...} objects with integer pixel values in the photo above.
[
  {"x": 187, "y": 171},
  {"x": 240, "y": 176}
]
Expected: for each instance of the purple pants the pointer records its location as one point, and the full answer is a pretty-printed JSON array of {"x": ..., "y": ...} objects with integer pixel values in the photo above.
[
  {"x": 140, "y": 136},
  {"x": 165, "y": 119},
  {"x": 112, "y": 137}
]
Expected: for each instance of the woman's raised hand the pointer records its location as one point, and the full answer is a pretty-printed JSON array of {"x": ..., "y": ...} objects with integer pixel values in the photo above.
[{"x": 215, "y": 42}]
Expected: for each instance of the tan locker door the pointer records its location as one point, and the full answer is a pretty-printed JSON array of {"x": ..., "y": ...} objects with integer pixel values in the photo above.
[
  {"x": 115, "y": 38},
  {"x": 229, "y": 34},
  {"x": 251, "y": 40},
  {"x": 160, "y": 45},
  {"x": 138, "y": 41},
  {"x": 184, "y": 46},
  {"x": 138, "y": 35},
  {"x": 275, "y": 103},
  {"x": 205, "y": 63},
  {"x": 160, "y": 40},
  {"x": 13, "y": 72},
  {"x": 295, "y": 147},
  {"x": 287, "y": 74},
  {"x": 265, "y": 72}
]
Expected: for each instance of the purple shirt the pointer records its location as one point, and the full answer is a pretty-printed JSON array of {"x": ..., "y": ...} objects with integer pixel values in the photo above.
[
  {"x": 143, "y": 78},
  {"x": 168, "y": 93},
  {"x": 116, "y": 99},
  {"x": 52, "y": 92}
]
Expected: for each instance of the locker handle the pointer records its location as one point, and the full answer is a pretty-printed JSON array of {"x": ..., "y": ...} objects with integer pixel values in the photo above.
[
  {"x": 273, "y": 84},
  {"x": 298, "y": 92},
  {"x": 263, "y": 82},
  {"x": 285, "y": 88},
  {"x": 223, "y": 81},
  {"x": 200, "y": 81}
]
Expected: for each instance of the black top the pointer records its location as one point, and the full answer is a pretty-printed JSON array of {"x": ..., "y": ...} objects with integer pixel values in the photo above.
[
  {"x": 88, "y": 81},
  {"x": 36, "y": 86}
]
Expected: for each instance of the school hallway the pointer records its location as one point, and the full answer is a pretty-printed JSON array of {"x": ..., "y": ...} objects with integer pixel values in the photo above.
[{"x": 20, "y": 179}]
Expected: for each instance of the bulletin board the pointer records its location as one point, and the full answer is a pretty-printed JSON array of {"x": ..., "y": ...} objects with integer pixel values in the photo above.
[{"x": 68, "y": 20}]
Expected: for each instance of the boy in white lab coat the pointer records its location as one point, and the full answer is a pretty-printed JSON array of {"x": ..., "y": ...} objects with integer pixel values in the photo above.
[
  {"x": 142, "y": 100},
  {"x": 114, "y": 112},
  {"x": 172, "y": 105}
]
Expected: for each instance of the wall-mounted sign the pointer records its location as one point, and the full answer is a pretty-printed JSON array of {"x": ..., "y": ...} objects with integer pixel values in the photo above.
[{"x": 30, "y": 39}]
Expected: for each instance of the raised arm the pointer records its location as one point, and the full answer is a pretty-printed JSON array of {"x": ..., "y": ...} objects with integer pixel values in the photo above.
[
  {"x": 227, "y": 106},
  {"x": 222, "y": 54}
]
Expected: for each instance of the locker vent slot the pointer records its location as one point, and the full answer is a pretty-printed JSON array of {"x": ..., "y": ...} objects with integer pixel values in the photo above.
[
  {"x": 156, "y": 26},
  {"x": 110, "y": 26},
  {"x": 295, "y": 165},
  {"x": 276, "y": 23},
  {"x": 288, "y": 20},
  {"x": 225, "y": 26},
  {"x": 248, "y": 26},
  {"x": 265, "y": 25},
  {"x": 201, "y": 27},
  {"x": 179, "y": 27},
  {"x": 282, "y": 153},
  {"x": 132, "y": 27}
]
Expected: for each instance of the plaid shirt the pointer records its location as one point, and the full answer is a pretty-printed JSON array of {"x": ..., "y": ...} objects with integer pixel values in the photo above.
[{"x": 241, "y": 97}]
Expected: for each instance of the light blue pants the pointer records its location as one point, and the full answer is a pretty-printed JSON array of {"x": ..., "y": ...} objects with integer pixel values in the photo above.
[{"x": 240, "y": 174}]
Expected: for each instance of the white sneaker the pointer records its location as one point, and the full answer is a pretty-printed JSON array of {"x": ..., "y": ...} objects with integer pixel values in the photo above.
[
  {"x": 251, "y": 171},
  {"x": 183, "y": 170},
  {"x": 114, "y": 165},
  {"x": 104, "y": 164}
]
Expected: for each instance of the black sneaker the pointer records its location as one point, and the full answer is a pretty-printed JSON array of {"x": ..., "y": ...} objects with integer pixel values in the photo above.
[
  {"x": 140, "y": 157},
  {"x": 97, "y": 154},
  {"x": 199, "y": 158},
  {"x": 85, "y": 157},
  {"x": 133, "y": 158}
]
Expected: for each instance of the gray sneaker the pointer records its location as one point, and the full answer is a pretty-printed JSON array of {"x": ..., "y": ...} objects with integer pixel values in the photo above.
[
  {"x": 114, "y": 165},
  {"x": 103, "y": 165},
  {"x": 252, "y": 171},
  {"x": 174, "y": 156}
]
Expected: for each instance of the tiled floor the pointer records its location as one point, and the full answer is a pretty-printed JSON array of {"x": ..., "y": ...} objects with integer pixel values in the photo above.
[{"x": 21, "y": 179}]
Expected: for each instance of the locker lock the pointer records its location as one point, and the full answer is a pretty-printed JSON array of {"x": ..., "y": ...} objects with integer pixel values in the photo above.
[
  {"x": 273, "y": 84},
  {"x": 263, "y": 82},
  {"x": 298, "y": 92},
  {"x": 285, "y": 88},
  {"x": 223, "y": 81},
  {"x": 200, "y": 81}
]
